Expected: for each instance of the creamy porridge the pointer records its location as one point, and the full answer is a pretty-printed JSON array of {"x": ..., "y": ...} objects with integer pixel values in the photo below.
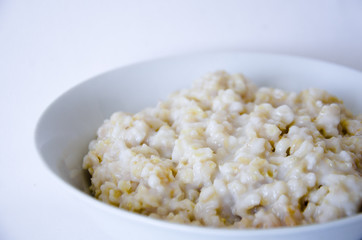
[{"x": 225, "y": 153}]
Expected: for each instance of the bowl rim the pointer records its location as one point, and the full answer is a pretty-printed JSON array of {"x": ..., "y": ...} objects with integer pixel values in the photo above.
[{"x": 204, "y": 230}]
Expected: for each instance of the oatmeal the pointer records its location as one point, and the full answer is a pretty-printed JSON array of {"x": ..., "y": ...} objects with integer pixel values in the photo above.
[{"x": 225, "y": 153}]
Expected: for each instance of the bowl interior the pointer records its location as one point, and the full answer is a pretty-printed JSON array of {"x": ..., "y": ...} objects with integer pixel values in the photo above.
[{"x": 67, "y": 126}]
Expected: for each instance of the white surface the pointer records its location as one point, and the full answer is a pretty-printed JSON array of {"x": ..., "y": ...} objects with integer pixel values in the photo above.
[
  {"x": 70, "y": 123},
  {"x": 46, "y": 47}
]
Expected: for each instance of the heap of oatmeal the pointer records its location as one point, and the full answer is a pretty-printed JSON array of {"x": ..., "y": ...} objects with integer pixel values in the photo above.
[{"x": 225, "y": 153}]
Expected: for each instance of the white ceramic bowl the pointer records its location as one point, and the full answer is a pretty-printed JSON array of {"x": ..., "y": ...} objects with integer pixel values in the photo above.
[{"x": 68, "y": 125}]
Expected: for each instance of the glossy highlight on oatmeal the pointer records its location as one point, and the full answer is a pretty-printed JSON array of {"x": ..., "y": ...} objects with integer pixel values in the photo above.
[{"x": 225, "y": 153}]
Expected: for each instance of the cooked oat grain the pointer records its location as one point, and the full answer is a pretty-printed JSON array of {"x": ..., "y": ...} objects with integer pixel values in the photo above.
[{"x": 228, "y": 154}]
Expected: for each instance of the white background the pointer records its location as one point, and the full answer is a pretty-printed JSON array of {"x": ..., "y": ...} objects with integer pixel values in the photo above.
[{"x": 46, "y": 47}]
